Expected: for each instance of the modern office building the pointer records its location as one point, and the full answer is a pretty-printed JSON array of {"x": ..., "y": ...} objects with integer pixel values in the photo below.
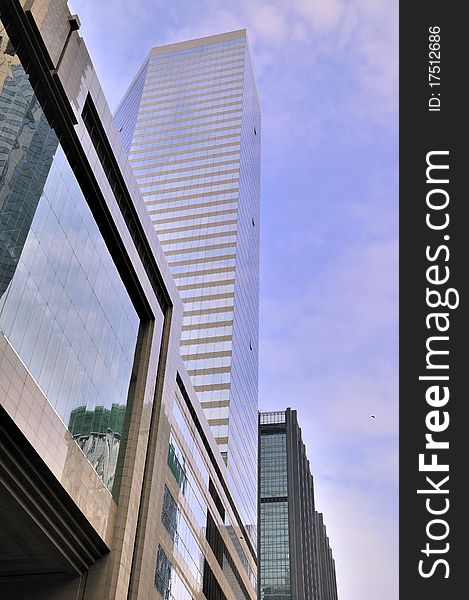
[
  {"x": 190, "y": 122},
  {"x": 112, "y": 486},
  {"x": 295, "y": 559}
]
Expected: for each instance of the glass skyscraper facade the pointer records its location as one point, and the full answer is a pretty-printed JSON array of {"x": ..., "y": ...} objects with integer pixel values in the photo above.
[
  {"x": 274, "y": 541},
  {"x": 295, "y": 558},
  {"x": 112, "y": 485},
  {"x": 190, "y": 123}
]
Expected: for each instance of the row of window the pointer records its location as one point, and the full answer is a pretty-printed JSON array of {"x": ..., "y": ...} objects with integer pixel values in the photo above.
[
  {"x": 181, "y": 79},
  {"x": 197, "y": 100},
  {"x": 208, "y": 363},
  {"x": 218, "y": 230},
  {"x": 206, "y": 79},
  {"x": 190, "y": 182},
  {"x": 197, "y": 220},
  {"x": 160, "y": 68},
  {"x": 200, "y": 199},
  {"x": 226, "y": 171},
  {"x": 202, "y": 346},
  {"x": 189, "y": 161},
  {"x": 198, "y": 168},
  {"x": 156, "y": 118},
  {"x": 210, "y": 273},
  {"x": 184, "y": 79},
  {"x": 193, "y": 334},
  {"x": 194, "y": 131},
  {"x": 211, "y": 396},
  {"x": 214, "y": 317},
  {"x": 209, "y": 278},
  {"x": 164, "y": 65},
  {"x": 198, "y": 107},
  {"x": 201, "y": 293},
  {"x": 219, "y": 431},
  {"x": 205, "y": 267},
  {"x": 192, "y": 139},
  {"x": 270, "y": 418},
  {"x": 220, "y": 412},
  {"x": 201, "y": 261},
  {"x": 221, "y": 236},
  {"x": 169, "y": 93},
  {"x": 186, "y": 155},
  {"x": 201, "y": 223},
  {"x": 228, "y": 207},
  {"x": 194, "y": 57},
  {"x": 208, "y": 304},
  {"x": 211, "y": 379},
  {"x": 213, "y": 231}
]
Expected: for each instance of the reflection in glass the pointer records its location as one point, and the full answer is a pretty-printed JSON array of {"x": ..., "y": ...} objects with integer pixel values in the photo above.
[
  {"x": 167, "y": 580},
  {"x": 170, "y": 513},
  {"x": 27, "y": 147},
  {"x": 176, "y": 463},
  {"x": 163, "y": 573},
  {"x": 98, "y": 433},
  {"x": 63, "y": 305}
]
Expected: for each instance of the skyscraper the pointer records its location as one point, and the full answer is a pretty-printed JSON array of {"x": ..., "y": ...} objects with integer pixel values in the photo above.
[
  {"x": 295, "y": 558},
  {"x": 190, "y": 122},
  {"x": 112, "y": 486}
]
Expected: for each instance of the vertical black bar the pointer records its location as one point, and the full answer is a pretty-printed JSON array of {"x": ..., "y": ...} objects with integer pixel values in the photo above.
[{"x": 433, "y": 272}]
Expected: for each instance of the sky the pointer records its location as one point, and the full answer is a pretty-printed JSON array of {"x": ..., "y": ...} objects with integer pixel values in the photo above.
[{"x": 327, "y": 77}]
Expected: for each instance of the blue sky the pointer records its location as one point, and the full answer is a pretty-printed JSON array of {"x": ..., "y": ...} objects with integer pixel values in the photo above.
[{"x": 327, "y": 75}]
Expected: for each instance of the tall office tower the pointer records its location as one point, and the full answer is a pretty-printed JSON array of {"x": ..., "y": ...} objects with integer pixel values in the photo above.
[
  {"x": 112, "y": 486},
  {"x": 190, "y": 122},
  {"x": 295, "y": 559}
]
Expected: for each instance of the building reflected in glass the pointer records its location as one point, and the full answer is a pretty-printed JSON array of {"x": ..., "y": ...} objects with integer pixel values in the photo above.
[
  {"x": 190, "y": 122},
  {"x": 27, "y": 147},
  {"x": 98, "y": 432},
  {"x": 63, "y": 305}
]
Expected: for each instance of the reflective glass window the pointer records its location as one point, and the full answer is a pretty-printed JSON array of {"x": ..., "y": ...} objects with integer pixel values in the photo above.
[{"x": 63, "y": 305}]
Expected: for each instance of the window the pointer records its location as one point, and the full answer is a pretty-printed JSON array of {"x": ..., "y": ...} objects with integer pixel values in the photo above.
[
  {"x": 170, "y": 513},
  {"x": 177, "y": 469},
  {"x": 163, "y": 573}
]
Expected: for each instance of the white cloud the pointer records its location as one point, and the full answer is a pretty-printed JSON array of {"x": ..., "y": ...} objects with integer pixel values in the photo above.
[
  {"x": 291, "y": 43},
  {"x": 330, "y": 344},
  {"x": 268, "y": 22},
  {"x": 321, "y": 15}
]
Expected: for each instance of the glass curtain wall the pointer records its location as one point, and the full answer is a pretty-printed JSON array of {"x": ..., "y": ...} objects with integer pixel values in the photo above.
[
  {"x": 195, "y": 150},
  {"x": 274, "y": 542},
  {"x": 63, "y": 305}
]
